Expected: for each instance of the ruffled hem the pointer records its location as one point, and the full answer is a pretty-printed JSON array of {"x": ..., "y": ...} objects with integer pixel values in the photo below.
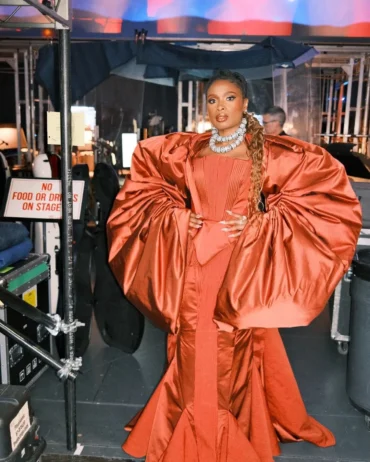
[
  {"x": 271, "y": 411},
  {"x": 182, "y": 446}
]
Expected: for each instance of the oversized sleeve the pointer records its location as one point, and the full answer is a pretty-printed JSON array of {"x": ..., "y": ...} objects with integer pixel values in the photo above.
[
  {"x": 148, "y": 229},
  {"x": 288, "y": 260}
]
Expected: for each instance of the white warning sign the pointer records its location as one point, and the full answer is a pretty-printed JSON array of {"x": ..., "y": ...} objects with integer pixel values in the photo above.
[
  {"x": 19, "y": 426},
  {"x": 40, "y": 199}
]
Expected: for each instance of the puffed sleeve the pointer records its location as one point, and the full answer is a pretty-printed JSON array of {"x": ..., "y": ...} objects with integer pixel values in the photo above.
[
  {"x": 288, "y": 260},
  {"x": 148, "y": 229}
]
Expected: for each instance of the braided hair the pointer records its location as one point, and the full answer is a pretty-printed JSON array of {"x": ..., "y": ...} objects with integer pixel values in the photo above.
[{"x": 255, "y": 129}]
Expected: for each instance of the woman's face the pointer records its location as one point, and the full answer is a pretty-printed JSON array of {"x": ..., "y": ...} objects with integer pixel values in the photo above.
[{"x": 225, "y": 105}]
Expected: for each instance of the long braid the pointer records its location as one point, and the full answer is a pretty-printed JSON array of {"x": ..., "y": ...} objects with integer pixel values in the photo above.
[
  {"x": 256, "y": 150},
  {"x": 255, "y": 130}
]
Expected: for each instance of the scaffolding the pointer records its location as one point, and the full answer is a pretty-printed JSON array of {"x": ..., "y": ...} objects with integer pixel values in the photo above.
[
  {"x": 55, "y": 14},
  {"x": 344, "y": 74},
  {"x": 346, "y": 96}
]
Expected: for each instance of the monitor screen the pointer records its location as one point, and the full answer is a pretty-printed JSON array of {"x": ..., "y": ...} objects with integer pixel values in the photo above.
[
  {"x": 129, "y": 143},
  {"x": 208, "y": 18}
]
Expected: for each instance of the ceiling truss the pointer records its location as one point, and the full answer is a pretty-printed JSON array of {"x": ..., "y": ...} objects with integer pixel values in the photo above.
[{"x": 57, "y": 13}]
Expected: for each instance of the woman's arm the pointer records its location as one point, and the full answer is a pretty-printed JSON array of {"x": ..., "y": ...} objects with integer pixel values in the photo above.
[
  {"x": 147, "y": 233},
  {"x": 289, "y": 260}
]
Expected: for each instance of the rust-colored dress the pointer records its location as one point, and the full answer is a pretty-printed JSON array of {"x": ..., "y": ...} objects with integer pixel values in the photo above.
[{"x": 229, "y": 394}]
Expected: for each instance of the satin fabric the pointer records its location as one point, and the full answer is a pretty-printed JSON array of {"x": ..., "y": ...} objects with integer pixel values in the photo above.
[
  {"x": 287, "y": 261},
  {"x": 229, "y": 393}
]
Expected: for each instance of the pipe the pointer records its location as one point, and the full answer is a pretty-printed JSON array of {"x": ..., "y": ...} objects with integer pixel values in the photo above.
[
  {"x": 366, "y": 115},
  {"x": 348, "y": 100},
  {"x": 359, "y": 97},
  {"x": 330, "y": 109},
  {"x": 284, "y": 96},
  {"x": 40, "y": 137},
  {"x": 27, "y": 106},
  {"x": 196, "y": 105},
  {"x": 17, "y": 105},
  {"x": 17, "y": 304},
  {"x": 67, "y": 224},
  {"x": 179, "y": 106},
  {"x": 204, "y": 109},
  {"x": 339, "y": 110},
  {"x": 34, "y": 348},
  {"x": 32, "y": 104},
  {"x": 190, "y": 106}
]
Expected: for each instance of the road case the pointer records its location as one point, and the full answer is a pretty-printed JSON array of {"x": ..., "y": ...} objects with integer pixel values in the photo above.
[{"x": 29, "y": 280}]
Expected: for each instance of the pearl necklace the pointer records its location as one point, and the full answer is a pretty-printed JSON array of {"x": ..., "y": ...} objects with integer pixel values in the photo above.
[{"x": 237, "y": 138}]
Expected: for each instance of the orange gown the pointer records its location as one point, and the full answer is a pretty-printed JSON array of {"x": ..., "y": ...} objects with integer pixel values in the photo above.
[{"x": 229, "y": 393}]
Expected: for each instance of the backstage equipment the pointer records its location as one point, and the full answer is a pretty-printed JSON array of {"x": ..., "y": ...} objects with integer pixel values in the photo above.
[
  {"x": 54, "y": 325},
  {"x": 121, "y": 325},
  {"x": 340, "y": 301},
  {"x": 358, "y": 367},
  {"x": 27, "y": 279},
  {"x": 19, "y": 438}
]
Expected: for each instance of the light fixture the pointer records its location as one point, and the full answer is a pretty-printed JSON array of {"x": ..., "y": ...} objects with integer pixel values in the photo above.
[{"x": 9, "y": 138}]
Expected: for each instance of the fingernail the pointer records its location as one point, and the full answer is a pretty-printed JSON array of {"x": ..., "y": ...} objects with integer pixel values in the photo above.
[
  {"x": 229, "y": 211},
  {"x": 199, "y": 216},
  {"x": 224, "y": 229},
  {"x": 199, "y": 226},
  {"x": 222, "y": 222}
]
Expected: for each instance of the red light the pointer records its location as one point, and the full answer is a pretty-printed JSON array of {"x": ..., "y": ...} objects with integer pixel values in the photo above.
[{"x": 47, "y": 33}]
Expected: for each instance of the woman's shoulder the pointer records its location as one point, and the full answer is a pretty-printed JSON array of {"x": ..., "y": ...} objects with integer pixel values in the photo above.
[
  {"x": 288, "y": 144},
  {"x": 171, "y": 139}
]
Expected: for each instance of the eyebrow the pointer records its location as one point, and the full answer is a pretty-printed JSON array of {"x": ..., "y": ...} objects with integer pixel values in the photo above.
[{"x": 227, "y": 93}]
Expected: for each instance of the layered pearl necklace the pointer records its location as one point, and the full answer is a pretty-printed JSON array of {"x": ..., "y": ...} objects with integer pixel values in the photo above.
[{"x": 237, "y": 138}]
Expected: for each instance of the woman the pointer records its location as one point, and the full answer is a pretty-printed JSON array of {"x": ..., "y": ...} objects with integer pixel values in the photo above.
[{"x": 194, "y": 252}]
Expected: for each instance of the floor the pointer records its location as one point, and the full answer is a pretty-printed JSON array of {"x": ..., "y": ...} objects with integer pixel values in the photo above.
[{"x": 114, "y": 386}]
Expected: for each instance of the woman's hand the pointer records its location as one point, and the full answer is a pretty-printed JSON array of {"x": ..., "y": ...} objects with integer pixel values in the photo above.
[
  {"x": 236, "y": 224},
  {"x": 195, "y": 222}
]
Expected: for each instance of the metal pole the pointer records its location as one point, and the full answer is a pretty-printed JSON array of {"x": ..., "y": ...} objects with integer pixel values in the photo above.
[
  {"x": 359, "y": 97},
  {"x": 179, "y": 106},
  {"x": 27, "y": 105},
  {"x": 34, "y": 348},
  {"x": 196, "y": 105},
  {"x": 204, "y": 109},
  {"x": 190, "y": 106},
  {"x": 330, "y": 108},
  {"x": 67, "y": 224},
  {"x": 17, "y": 104},
  {"x": 348, "y": 100},
  {"x": 366, "y": 115},
  {"x": 334, "y": 106},
  {"x": 323, "y": 95},
  {"x": 17, "y": 304},
  {"x": 32, "y": 103},
  {"x": 40, "y": 137},
  {"x": 339, "y": 110},
  {"x": 284, "y": 95}
]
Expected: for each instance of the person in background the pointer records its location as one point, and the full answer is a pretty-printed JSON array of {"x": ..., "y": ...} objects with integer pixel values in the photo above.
[{"x": 273, "y": 120}]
